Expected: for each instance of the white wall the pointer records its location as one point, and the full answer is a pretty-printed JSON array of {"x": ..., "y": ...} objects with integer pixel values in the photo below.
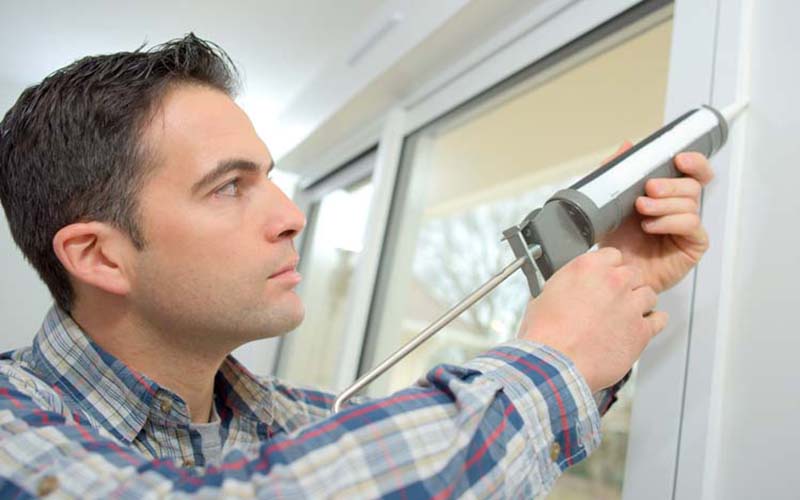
[
  {"x": 760, "y": 452},
  {"x": 23, "y": 298}
]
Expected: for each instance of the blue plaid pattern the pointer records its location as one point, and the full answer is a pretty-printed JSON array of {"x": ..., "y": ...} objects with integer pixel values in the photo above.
[{"x": 76, "y": 421}]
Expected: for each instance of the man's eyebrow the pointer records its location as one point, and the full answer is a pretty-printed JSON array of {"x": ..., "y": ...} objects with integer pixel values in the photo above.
[{"x": 226, "y": 166}]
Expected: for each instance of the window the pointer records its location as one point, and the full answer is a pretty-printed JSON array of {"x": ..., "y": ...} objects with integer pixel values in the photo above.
[
  {"x": 337, "y": 217},
  {"x": 482, "y": 168}
]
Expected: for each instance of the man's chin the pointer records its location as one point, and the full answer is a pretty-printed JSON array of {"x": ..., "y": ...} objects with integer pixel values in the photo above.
[
  {"x": 285, "y": 320},
  {"x": 295, "y": 320}
]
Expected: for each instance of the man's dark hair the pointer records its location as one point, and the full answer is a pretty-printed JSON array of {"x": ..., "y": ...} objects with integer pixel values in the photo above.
[{"x": 71, "y": 148}]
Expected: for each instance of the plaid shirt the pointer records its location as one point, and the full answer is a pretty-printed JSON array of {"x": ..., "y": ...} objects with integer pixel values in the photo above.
[{"x": 76, "y": 422}]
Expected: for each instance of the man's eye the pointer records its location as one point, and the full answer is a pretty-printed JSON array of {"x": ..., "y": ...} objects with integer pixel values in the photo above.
[{"x": 229, "y": 189}]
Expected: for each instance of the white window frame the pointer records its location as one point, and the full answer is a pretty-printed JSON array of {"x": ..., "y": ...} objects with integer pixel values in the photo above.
[
  {"x": 674, "y": 444},
  {"x": 723, "y": 68},
  {"x": 307, "y": 197}
]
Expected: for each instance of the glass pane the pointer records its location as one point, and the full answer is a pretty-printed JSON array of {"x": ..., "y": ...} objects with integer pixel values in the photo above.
[
  {"x": 335, "y": 240},
  {"x": 478, "y": 172}
]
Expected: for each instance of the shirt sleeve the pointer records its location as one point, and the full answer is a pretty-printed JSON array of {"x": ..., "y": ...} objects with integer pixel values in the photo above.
[
  {"x": 505, "y": 424},
  {"x": 606, "y": 398}
]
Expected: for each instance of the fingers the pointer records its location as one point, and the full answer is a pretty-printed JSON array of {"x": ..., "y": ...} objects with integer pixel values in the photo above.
[
  {"x": 636, "y": 278},
  {"x": 698, "y": 170},
  {"x": 695, "y": 165},
  {"x": 653, "y": 207},
  {"x": 646, "y": 298},
  {"x": 656, "y": 322},
  {"x": 610, "y": 256},
  {"x": 624, "y": 147},
  {"x": 683, "y": 224},
  {"x": 685, "y": 187}
]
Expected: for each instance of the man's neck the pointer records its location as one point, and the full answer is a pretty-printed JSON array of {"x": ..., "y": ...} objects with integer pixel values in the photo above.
[{"x": 166, "y": 357}]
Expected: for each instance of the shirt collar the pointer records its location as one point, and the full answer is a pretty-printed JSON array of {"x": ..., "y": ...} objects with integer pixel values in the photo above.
[{"x": 121, "y": 399}]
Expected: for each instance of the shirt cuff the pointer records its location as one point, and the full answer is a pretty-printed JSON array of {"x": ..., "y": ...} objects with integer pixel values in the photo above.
[
  {"x": 553, "y": 398},
  {"x": 606, "y": 398}
]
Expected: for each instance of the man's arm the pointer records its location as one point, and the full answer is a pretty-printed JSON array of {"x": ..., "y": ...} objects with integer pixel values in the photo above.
[{"x": 507, "y": 422}]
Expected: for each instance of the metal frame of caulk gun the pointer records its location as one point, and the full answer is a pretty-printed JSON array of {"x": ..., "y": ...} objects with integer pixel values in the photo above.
[{"x": 574, "y": 219}]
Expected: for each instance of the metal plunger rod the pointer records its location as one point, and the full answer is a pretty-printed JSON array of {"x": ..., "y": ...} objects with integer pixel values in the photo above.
[{"x": 428, "y": 332}]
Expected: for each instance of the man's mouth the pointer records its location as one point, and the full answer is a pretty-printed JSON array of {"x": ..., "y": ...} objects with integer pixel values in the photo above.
[{"x": 287, "y": 272}]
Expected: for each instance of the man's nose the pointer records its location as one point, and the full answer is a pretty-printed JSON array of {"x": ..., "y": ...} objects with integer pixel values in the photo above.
[{"x": 288, "y": 220}]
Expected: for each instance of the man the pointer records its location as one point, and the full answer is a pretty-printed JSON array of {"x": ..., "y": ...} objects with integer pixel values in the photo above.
[{"x": 140, "y": 192}]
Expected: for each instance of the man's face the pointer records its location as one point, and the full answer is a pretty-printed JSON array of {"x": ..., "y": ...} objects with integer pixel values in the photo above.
[{"x": 218, "y": 264}]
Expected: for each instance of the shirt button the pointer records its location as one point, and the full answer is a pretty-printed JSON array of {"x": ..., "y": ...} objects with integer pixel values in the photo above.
[
  {"x": 166, "y": 405},
  {"x": 47, "y": 485},
  {"x": 555, "y": 451}
]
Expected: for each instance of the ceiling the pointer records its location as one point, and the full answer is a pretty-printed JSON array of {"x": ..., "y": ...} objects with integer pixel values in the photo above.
[
  {"x": 302, "y": 61},
  {"x": 280, "y": 45}
]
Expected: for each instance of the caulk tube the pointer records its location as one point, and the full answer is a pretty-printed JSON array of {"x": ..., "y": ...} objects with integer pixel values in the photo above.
[{"x": 574, "y": 219}]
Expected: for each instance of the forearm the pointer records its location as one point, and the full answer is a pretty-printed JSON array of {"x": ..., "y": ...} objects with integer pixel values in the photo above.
[{"x": 489, "y": 426}]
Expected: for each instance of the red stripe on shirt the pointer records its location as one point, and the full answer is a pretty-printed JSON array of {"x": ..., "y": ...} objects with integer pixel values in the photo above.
[
  {"x": 339, "y": 419},
  {"x": 42, "y": 416},
  {"x": 500, "y": 428},
  {"x": 561, "y": 410},
  {"x": 14, "y": 401},
  {"x": 478, "y": 454},
  {"x": 143, "y": 382}
]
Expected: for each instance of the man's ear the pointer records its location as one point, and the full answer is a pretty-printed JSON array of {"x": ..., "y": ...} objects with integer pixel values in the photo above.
[{"x": 97, "y": 254}]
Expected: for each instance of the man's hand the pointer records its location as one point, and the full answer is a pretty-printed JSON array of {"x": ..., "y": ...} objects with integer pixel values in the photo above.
[
  {"x": 664, "y": 237},
  {"x": 596, "y": 310}
]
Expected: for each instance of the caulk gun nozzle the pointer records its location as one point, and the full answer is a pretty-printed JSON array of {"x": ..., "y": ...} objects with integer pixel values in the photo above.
[{"x": 732, "y": 111}]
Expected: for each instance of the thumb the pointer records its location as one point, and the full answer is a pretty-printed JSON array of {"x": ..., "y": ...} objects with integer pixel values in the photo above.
[{"x": 624, "y": 147}]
